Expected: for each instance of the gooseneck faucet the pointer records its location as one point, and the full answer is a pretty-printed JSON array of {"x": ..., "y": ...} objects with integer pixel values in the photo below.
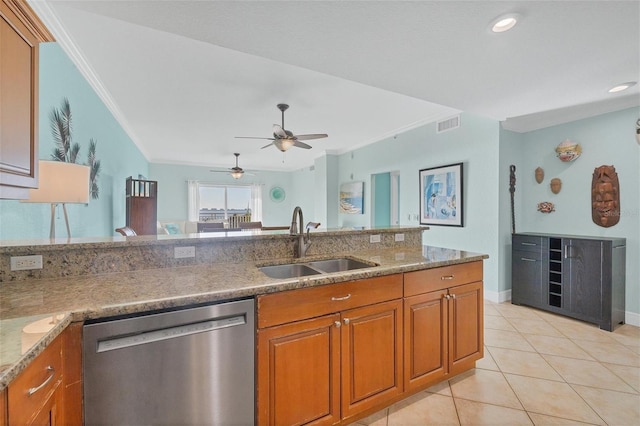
[{"x": 302, "y": 242}]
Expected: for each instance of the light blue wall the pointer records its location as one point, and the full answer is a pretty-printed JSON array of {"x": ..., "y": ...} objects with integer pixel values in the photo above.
[
  {"x": 381, "y": 199},
  {"x": 476, "y": 145},
  {"x": 172, "y": 191},
  {"x": 118, "y": 155},
  {"x": 607, "y": 139}
]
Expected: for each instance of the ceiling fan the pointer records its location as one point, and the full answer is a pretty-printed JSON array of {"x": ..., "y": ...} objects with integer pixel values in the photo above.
[
  {"x": 284, "y": 139},
  {"x": 236, "y": 172}
]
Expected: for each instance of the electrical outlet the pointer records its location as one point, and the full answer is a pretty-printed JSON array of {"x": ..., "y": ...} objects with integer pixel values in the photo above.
[
  {"x": 374, "y": 238},
  {"x": 182, "y": 252},
  {"x": 399, "y": 237},
  {"x": 25, "y": 263}
]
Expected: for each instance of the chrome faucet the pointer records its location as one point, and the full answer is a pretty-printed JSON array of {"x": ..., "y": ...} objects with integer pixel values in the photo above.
[{"x": 302, "y": 243}]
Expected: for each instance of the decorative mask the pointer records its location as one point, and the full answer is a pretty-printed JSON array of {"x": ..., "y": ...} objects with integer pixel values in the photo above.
[
  {"x": 556, "y": 185},
  {"x": 568, "y": 151},
  {"x": 605, "y": 196},
  {"x": 539, "y": 175},
  {"x": 546, "y": 207}
]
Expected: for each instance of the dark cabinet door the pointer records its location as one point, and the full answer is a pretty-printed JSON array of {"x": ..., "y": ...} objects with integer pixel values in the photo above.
[
  {"x": 583, "y": 272},
  {"x": 527, "y": 276}
]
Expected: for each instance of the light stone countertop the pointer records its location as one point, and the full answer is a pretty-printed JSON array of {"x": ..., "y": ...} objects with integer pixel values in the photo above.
[{"x": 80, "y": 298}]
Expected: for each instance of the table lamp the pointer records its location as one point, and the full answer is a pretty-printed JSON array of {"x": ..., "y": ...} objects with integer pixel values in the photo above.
[{"x": 60, "y": 183}]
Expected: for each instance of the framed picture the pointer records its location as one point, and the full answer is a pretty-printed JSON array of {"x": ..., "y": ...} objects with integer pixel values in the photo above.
[
  {"x": 352, "y": 198},
  {"x": 441, "y": 195}
]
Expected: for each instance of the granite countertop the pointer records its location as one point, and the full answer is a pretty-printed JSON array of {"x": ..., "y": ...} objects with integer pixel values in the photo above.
[{"x": 61, "y": 301}]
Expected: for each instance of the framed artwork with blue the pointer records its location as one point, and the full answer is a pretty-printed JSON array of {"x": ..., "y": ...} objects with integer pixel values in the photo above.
[
  {"x": 352, "y": 198},
  {"x": 441, "y": 195}
]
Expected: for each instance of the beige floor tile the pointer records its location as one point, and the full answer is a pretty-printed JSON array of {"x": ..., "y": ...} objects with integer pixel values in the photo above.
[
  {"x": 612, "y": 353},
  {"x": 542, "y": 420},
  {"x": 551, "y": 398},
  {"x": 423, "y": 409},
  {"x": 484, "y": 386},
  {"x": 626, "y": 339},
  {"x": 487, "y": 362},
  {"x": 615, "y": 408},
  {"x": 534, "y": 326},
  {"x": 497, "y": 323},
  {"x": 506, "y": 339},
  {"x": 489, "y": 309},
  {"x": 477, "y": 413},
  {"x": 631, "y": 375},
  {"x": 585, "y": 331},
  {"x": 376, "y": 419},
  {"x": 528, "y": 364},
  {"x": 514, "y": 311},
  {"x": 441, "y": 388},
  {"x": 588, "y": 373},
  {"x": 557, "y": 346}
]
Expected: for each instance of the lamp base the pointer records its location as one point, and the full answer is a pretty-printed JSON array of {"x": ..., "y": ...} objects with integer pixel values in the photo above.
[{"x": 52, "y": 231}]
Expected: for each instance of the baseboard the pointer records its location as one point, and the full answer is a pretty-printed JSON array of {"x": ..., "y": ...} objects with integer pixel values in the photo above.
[
  {"x": 632, "y": 318},
  {"x": 497, "y": 297}
]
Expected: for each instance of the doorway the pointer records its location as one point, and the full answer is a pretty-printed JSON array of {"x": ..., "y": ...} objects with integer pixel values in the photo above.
[{"x": 385, "y": 199}]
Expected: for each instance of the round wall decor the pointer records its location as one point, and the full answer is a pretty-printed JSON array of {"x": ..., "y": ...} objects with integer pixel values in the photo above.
[{"x": 277, "y": 194}]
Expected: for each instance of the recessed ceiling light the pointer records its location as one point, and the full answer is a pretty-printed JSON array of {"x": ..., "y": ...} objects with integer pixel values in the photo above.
[
  {"x": 622, "y": 86},
  {"x": 504, "y": 22}
]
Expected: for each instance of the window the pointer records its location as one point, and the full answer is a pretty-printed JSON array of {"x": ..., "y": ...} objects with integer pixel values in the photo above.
[{"x": 210, "y": 202}]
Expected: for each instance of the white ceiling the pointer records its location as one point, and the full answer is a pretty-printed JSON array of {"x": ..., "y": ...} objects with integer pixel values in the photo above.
[{"x": 185, "y": 77}]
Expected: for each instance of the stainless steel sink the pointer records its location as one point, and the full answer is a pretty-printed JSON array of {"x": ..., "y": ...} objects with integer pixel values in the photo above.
[
  {"x": 290, "y": 270},
  {"x": 293, "y": 270},
  {"x": 338, "y": 265}
]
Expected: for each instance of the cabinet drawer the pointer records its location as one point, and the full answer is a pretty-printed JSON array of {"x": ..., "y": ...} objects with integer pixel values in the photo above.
[
  {"x": 40, "y": 378},
  {"x": 427, "y": 280},
  {"x": 526, "y": 256},
  {"x": 293, "y": 305},
  {"x": 532, "y": 243}
]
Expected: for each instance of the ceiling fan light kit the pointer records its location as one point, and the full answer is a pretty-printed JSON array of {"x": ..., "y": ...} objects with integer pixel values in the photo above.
[
  {"x": 236, "y": 172},
  {"x": 284, "y": 139}
]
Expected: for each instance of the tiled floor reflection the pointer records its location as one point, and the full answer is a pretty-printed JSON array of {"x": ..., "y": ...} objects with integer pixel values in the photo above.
[{"x": 538, "y": 369}]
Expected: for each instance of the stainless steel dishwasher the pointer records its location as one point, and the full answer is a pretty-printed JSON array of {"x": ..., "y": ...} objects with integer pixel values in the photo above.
[{"x": 186, "y": 367}]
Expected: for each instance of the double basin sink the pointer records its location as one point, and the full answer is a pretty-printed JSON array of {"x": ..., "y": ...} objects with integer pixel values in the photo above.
[{"x": 315, "y": 267}]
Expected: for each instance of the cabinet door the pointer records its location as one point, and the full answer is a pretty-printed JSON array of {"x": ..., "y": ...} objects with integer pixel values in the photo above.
[
  {"x": 425, "y": 339},
  {"x": 371, "y": 356},
  {"x": 583, "y": 268},
  {"x": 465, "y": 327},
  {"x": 299, "y": 372},
  {"x": 18, "y": 104},
  {"x": 51, "y": 412},
  {"x": 527, "y": 272}
]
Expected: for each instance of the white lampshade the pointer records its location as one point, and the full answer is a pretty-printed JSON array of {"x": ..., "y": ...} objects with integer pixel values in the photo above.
[{"x": 61, "y": 182}]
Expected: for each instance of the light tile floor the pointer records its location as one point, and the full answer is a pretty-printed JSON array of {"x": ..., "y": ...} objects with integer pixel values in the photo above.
[{"x": 538, "y": 369}]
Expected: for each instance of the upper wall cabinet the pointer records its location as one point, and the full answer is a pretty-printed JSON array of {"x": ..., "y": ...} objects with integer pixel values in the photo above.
[{"x": 20, "y": 33}]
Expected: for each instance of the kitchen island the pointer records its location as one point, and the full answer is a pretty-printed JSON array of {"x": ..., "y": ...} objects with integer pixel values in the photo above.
[{"x": 78, "y": 297}]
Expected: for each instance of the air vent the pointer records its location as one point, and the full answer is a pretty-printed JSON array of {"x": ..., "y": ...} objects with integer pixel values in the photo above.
[{"x": 448, "y": 124}]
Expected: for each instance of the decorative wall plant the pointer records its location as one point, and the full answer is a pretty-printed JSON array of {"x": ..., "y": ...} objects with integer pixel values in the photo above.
[{"x": 67, "y": 151}]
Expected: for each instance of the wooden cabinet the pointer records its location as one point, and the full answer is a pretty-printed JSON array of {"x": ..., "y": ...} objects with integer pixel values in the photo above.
[
  {"x": 142, "y": 206},
  {"x": 3, "y": 408},
  {"x": 443, "y": 323},
  {"x": 43, "y": 394},
  {"x": 581, "y": 277},
  {"x": 326, "y": 354},
  {"x": 20, "y": 33}
]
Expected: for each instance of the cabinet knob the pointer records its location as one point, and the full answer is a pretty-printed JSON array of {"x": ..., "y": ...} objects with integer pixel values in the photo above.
[
  {"x": 453, "y": 296},
  {"x": 337, "y": 323},
  {"x": 446, "y": 296},
  {"x": 346, "y": 321}
]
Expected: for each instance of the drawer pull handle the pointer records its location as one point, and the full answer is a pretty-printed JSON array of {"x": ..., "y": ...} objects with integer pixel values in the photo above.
[
  {"x": 526, "y": 259},
  {"x": 341, "y": 298},
  {"x": 446, "y": 277},
  {"x": 31, "y": 391},
  {"x": 529, "y": 244}
]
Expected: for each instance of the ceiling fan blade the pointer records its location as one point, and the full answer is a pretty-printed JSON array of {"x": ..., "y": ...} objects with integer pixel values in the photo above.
[
  {"x": 311, "y": 136},
  {"x": 252, "y": 137},
  {"x": 301, "y": 145},
  {"x": 267, "y": 145}
]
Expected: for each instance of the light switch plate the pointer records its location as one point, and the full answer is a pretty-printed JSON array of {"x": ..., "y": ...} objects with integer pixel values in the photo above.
[{"x": 183, "y": 252}]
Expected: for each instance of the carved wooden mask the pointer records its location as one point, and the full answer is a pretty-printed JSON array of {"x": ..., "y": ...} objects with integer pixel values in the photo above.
[{"x": 605, "y": 196}]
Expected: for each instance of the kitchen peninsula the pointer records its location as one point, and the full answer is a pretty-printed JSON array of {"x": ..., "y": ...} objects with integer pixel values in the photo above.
[{"x": 412, "y": 285}]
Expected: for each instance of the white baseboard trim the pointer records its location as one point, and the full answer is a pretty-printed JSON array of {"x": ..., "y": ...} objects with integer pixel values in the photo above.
[
  {"x": 497, "y": 297},
  {"x": 632, "y": 318}
]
